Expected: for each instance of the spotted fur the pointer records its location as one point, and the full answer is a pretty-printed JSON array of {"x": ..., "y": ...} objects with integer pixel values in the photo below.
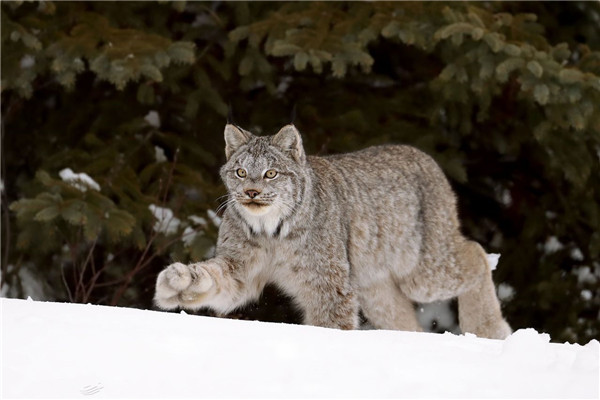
[{"x": 374, "y": 230}]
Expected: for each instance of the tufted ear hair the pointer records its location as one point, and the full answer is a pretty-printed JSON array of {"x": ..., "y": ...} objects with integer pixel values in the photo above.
[
  {"x": 288, "y": 139},
  {"x": 234, "y": 139}
]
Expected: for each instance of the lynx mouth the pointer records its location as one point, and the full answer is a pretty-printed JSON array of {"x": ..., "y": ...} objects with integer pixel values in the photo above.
[
  {"x": 256, "y": 207},
  {"x": 255, "y": 204}
]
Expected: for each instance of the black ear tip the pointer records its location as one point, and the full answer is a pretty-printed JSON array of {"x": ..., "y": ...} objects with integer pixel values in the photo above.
[
  {"x": 293, "y": 116},
  {"x": 230, "y": 115}
]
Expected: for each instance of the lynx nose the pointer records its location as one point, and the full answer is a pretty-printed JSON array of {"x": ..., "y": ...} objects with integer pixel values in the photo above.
[{"x": 252, "y": 193}]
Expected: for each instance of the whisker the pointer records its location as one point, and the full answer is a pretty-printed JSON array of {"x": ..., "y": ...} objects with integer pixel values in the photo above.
[
  {"x": 225, "y": 204},
  {"x": 225, "y": 195}
]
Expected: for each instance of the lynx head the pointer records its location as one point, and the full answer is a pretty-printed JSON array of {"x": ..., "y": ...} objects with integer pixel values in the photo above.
[{"x": 264, "y": 175}]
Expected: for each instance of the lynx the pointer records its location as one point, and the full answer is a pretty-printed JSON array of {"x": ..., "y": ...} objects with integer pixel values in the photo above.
[{"x": 371, "y": 231}]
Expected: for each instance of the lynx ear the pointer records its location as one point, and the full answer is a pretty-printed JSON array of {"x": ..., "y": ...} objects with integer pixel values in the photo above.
[
  {"x": 234, "y": 139},
  {"x": 288, "y": 139}
]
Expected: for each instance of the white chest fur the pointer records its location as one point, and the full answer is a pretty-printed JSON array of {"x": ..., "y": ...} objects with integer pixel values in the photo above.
[{"x": 267, "y": 221}]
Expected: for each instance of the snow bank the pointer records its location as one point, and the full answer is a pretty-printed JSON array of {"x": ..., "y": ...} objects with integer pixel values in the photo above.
[{"x": 57, "y": 350}]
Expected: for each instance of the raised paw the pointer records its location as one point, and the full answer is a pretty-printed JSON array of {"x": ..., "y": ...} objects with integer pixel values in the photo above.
[
  {"x": 178, "y": 276},
  {"x": 181, "y": 285}
]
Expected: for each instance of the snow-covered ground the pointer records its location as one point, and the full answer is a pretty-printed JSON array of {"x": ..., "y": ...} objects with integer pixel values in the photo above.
[{"x": 55, "y": 350}]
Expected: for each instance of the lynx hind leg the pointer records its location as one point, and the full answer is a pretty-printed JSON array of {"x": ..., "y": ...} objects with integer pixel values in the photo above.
[
  {"x": 386, "y": 307},
  {"x": 478, "y": 306},
  {"x": 470, "y": 279}
]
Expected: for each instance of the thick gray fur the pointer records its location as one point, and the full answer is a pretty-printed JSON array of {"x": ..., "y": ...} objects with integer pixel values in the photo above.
[{"x": 374, "y": 230}]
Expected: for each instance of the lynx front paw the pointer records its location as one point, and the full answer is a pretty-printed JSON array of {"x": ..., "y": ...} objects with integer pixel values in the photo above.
[{"x": 181, "y": 285}]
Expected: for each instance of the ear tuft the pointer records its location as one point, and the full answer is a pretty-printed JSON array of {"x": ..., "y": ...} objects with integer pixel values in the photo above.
[
  {"x": 234, "y": 139},
  {"x": 289, "y": 140}
]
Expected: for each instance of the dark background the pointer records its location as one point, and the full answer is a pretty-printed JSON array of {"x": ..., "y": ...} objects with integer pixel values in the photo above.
[{"x": 504, "y": 95}]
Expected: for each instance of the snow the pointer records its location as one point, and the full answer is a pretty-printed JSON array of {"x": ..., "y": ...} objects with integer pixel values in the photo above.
[
  {"x": 552, "y": 245},
  {"x": 585, "y": 275},
  {"x": 29, "y": 283},
  {"x": 505, "y": 291},
  {"x": 587, "y": 295},
  {"x": 159, "y": 154},
  {"x": 27, "y": 61},
  {"x": 189, "y": 234},
  {"x": 55, "y": 350},
  {"x": 216, "y": 220},
  {"x": 198, "y": 220},
  {"x": 80, "y": 181},
  {"x": 284, "y": 85},
  {"x": 166, "y": 222},
  {"x": 505, "y": 197},
  {"x": 438, "y": 316},
  {"x": 576, "y": 254},
  {"x": 493, "y": 260},
  {"x": 153, "y": 119}
]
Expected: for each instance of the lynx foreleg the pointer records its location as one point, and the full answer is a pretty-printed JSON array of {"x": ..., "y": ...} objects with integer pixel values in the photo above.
[
  {"x": 339, "y": 313},
  {"x": 328, "y": 299},
  {"x": 184, "y": 286},
  {"x": 207, "y": 284}
]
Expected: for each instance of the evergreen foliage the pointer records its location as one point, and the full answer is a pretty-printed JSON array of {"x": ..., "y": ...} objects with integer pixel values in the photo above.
[{"x": 504, "y": 95}]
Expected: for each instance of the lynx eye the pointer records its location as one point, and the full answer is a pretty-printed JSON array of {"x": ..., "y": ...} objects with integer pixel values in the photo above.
[
  {"x": 241, "y": 172},
  {"x": 270, "y": 174}
]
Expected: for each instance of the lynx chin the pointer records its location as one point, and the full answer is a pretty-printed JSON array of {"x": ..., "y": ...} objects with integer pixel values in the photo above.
[{"x": 374, "y": 230}]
